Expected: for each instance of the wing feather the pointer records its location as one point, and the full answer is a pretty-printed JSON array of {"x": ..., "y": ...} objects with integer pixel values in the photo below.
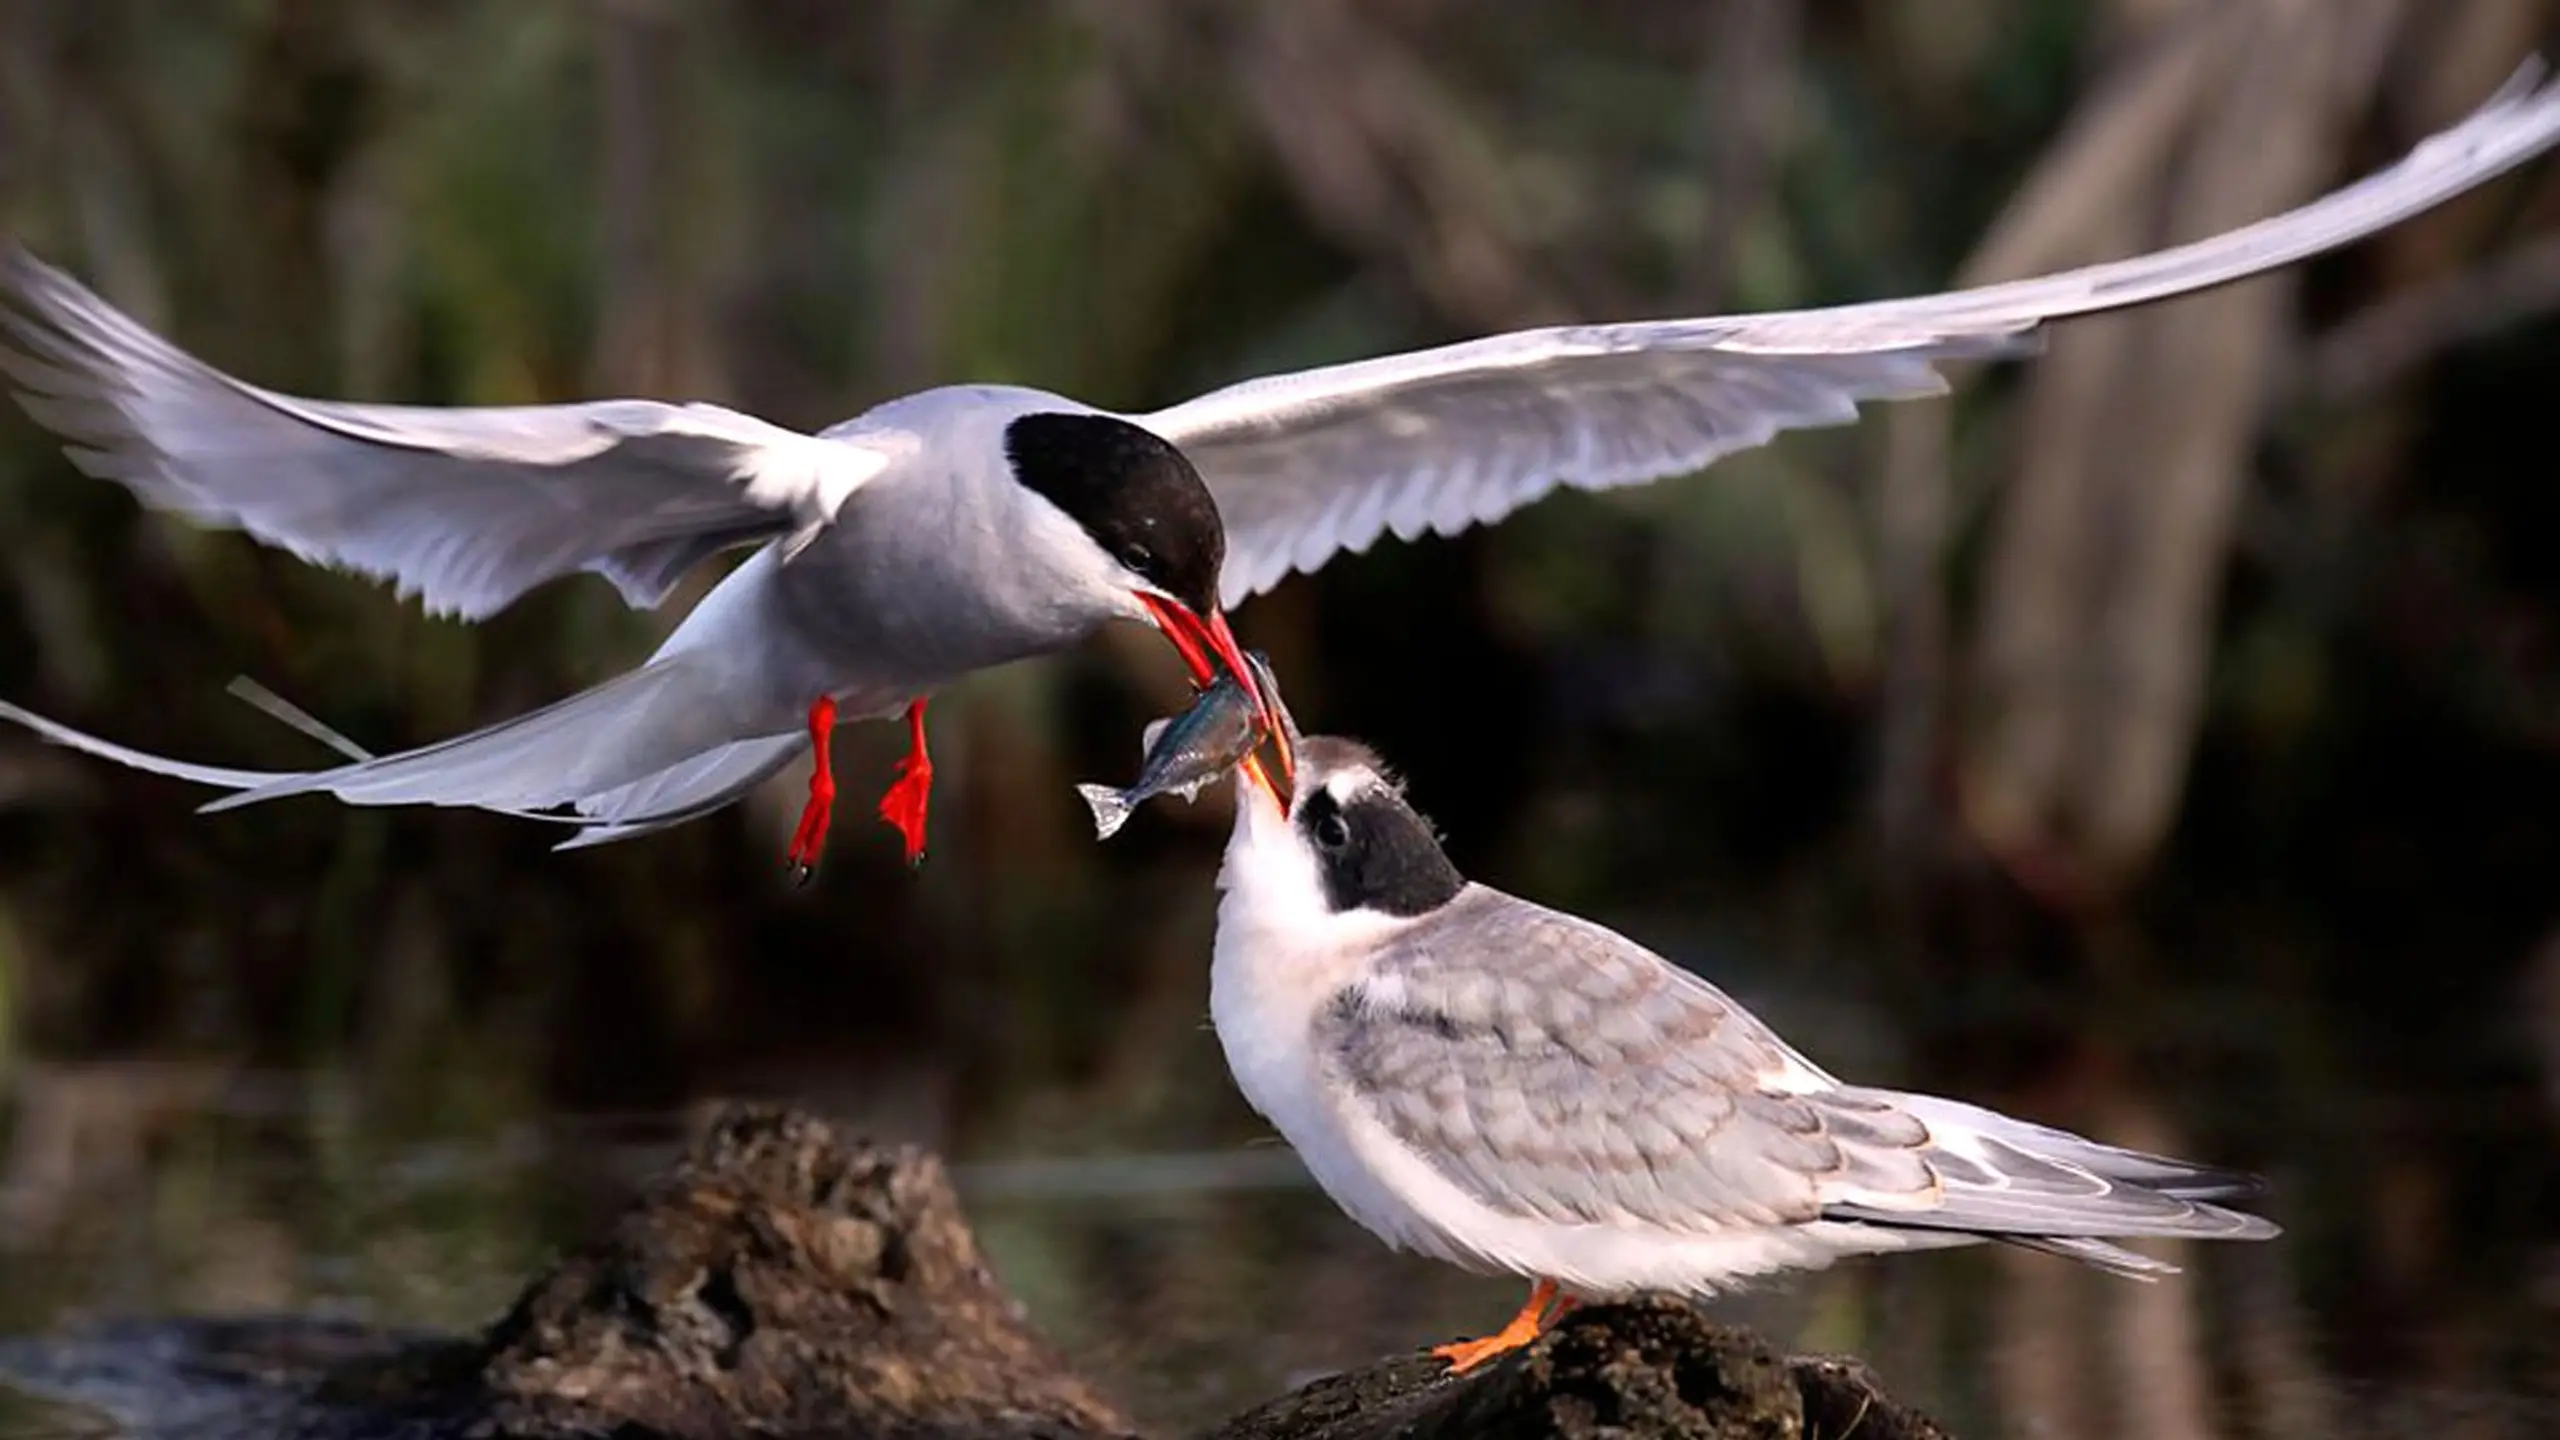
[
  {"x": 1307, "y": 465},
  {"x": 1579, "y": 1079},
  {"x": 1552, "y": 1068},
  {"x": 465, "y": 508}
]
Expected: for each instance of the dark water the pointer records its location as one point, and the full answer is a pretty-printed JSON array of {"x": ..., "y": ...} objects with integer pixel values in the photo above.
[{"x": 1125, "y": 1194}]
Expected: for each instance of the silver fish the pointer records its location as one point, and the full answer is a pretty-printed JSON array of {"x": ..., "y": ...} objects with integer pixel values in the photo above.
[{"x": 1187, "y": 751}]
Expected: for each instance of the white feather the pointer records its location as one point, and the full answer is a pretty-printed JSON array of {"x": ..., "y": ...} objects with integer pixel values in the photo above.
[{"x": 1308, "y": 465}]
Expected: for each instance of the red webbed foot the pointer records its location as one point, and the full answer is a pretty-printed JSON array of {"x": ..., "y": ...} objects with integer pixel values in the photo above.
[{"x": 911, "y": 794}]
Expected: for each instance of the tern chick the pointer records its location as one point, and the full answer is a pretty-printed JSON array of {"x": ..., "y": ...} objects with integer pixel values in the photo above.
[{"x": 1515, "y": 1090}]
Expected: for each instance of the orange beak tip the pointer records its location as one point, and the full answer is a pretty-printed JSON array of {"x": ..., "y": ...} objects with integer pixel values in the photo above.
[{"x": 1260, "y": 774}]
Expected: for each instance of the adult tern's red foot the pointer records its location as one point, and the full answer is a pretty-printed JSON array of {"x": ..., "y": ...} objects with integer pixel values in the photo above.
[
  {"x": 1518, "y": 1090},
  {"x": 905, "y": 804},
  {"x": 961, "y": 528},
  {"x": 809, "y": 837}
]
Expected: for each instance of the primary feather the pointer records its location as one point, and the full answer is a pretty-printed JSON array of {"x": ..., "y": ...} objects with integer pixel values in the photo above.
[
  {"x": 1308, "y": 465},
  {"x": 465, "y": 508}
]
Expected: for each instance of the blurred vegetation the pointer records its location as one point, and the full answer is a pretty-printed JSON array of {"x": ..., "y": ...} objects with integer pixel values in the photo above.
[{"x": 2166, "y": 734}]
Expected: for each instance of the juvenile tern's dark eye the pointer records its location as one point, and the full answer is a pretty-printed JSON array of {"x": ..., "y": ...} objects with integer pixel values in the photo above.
[{"x": 1385, "y": 860}]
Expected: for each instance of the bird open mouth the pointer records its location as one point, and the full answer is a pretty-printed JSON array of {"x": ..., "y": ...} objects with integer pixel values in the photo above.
[
  {"x": 1279, "y": 779},
  {"x": 1207, "y": 646}
]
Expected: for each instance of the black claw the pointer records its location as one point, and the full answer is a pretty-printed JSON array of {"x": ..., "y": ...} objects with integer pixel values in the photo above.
[{"x": 801, "y": 872}]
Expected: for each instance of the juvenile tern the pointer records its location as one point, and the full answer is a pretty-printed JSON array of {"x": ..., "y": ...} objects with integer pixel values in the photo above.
[
  {"x": 968, "y": 526},
  {"x": 1517, "y": 1090}
]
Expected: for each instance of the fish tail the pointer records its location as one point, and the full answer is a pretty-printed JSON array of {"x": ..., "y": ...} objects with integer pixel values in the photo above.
[{"x": 1111, "y": 809}]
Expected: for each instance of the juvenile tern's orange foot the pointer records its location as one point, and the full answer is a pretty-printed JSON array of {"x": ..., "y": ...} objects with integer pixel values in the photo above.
[
  {"x": 911, "y": 794},
  {"x": 810, "y": 837},
  {"x": 1465, "y": 1355}
]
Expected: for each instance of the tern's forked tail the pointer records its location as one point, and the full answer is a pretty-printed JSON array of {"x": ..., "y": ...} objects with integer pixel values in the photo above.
[
  {"x": 642, "y": 751},
  {"x": 221, "y": 777},
  {"x": 603, "y": 739}
]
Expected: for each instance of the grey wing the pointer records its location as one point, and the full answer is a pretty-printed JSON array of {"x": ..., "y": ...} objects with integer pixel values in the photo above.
[
  {"x": 466, "y": 508},
  {"x": 1310, "y": 464},
  {"x": 2013, "y": 1179},
  {"x": 1558, "y": 1070}
]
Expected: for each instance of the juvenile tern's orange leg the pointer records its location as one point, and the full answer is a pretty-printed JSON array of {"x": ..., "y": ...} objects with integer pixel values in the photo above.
[
  {"x": 911, "y": 794},
  {"x": 1465, "y": 1355}
]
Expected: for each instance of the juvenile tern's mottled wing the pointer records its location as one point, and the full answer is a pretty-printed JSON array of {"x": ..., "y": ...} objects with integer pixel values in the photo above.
[
  {"x": 1554, "y": 1069},
  {"x": 1325, "y": 460},
  {"x": 466, "y": 508}
]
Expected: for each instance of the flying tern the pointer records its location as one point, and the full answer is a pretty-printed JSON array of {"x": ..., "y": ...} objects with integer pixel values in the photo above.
[{"x": 972, "y": 525}]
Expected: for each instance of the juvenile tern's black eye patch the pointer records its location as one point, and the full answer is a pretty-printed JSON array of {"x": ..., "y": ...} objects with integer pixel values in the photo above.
[
  {"x": 1373, "y": 852},
  {"x": 1132, "y": 491}
]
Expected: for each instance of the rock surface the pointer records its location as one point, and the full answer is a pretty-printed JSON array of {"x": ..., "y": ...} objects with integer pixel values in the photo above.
[
  {"x": 780, "y": 1282},
  {"x": 1628, "y": 1372},
  {"x": 784, "y": 1283}
]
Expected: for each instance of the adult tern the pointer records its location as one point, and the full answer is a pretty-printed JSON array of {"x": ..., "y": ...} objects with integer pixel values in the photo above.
[{"x": 967, "y": 526}]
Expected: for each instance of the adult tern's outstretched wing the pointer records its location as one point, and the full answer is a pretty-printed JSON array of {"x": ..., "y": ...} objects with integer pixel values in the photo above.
[
  {"x": 1321, "y": 461},
  {"x": 466, "y": 508}
]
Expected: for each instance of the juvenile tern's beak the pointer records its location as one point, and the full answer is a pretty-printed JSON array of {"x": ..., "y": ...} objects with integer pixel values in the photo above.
[
  {"x": 1280, "y": 778},
  {"x": 1260, "y": 774}
]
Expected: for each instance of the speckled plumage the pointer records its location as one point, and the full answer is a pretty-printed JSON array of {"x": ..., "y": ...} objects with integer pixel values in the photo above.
[
  {"x": 1513, "y": 1088},
  {"x": 1555, "y": 1070}
]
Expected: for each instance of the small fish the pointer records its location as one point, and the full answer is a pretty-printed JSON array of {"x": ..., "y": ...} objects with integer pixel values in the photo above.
[{"x": 1189, "y": 750}]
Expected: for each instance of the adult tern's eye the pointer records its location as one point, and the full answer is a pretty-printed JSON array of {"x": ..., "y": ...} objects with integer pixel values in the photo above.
[
  {"x": 1137, "y": 558},
  {"x": 1330, "y": 831}
]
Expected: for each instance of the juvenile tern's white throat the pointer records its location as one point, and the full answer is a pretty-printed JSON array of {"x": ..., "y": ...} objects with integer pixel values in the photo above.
[
  {"x": 1517, "y": 1090},
  {"x": 969, "y": 526}
]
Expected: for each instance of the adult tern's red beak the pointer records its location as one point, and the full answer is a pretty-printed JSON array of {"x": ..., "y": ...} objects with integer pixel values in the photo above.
[{"x": 1206, "y": 646}]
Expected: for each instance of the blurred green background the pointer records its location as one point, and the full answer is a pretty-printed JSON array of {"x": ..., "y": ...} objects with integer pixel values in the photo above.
[{"x": 2161, "y": 739}]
